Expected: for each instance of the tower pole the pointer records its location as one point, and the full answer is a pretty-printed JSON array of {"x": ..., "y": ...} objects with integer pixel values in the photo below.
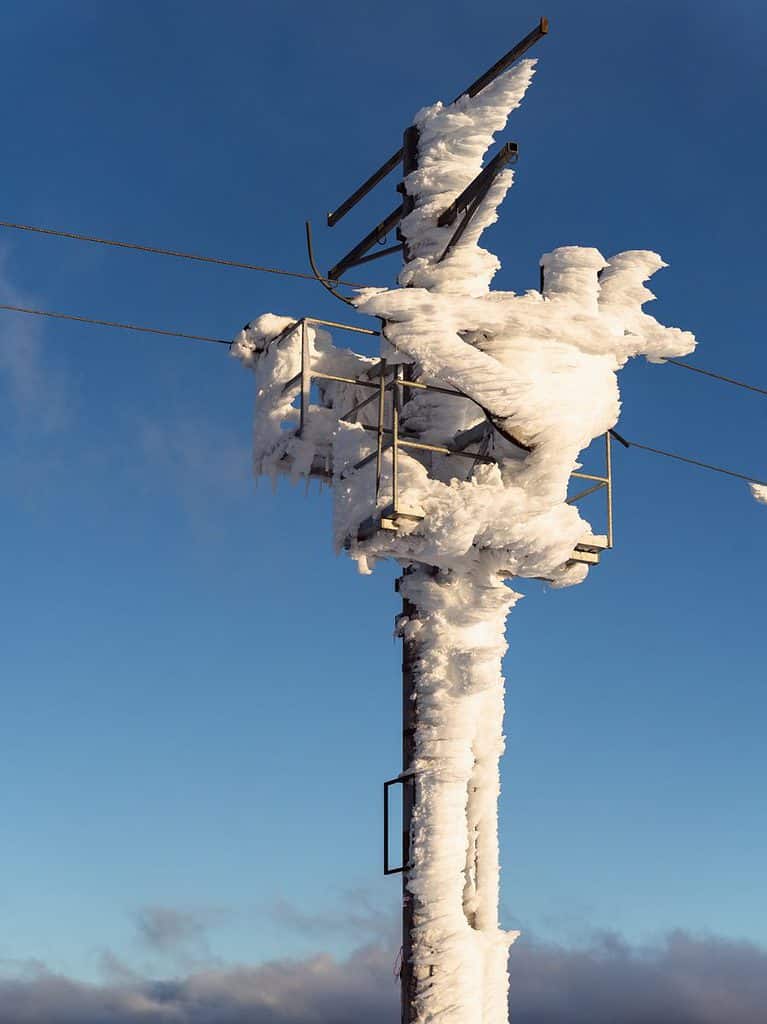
[
  {"x": 409, "y": 719},
  {"x": 408, "y": 978}
]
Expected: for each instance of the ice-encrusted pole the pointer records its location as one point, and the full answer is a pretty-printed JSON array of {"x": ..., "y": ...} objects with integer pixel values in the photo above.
[
  {"x": 517, "y": 386},
  {"x": 458, "y": 969},
  {"x": 412, "y": 975},
  {"x": 454, "y": 952}
]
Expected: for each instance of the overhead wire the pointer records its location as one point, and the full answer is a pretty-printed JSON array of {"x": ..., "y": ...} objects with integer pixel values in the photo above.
[
  {"x": 684, "y": 458},
  {"x": 223, "y": 341},
  {"x": 315, "y": 276},
  {"x": 180, "y": 254},
  {"x": 113, "y": 323},
  {"x": 716, "y": 376},
  {"x": 177, "y": 253}
]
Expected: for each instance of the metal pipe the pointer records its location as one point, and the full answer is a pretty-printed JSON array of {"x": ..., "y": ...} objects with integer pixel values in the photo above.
[
  {"x": 404, "y": 442},
  {"x": 367, "y": 185},
  {"x": 359, "y": 406},
  {"x": 367, "y": 460},
  {"x": 540, "y": 30},
  {"x": 419, "y": 385},
  {"x": 479, "y": 185},
  {"x": 346, "y": 380},
  {"x": 410, "y": 141},
  {"x": 585, "y": 476},
  {"x": 455, "y": 238},
  {"x": 402, "y": 383},
  {"x": 315, "y": 269},
  {"x": 343, "y": 327},
  {"x": 583, "y": 494},
  {"x": 284, "y": 333},
  {"x": 395, "y": 402},
  {"x": 379, "y": 445},
  {"x": 306, "y": 378},
  {"x": 609, "y": 468},
  {"x": 352, "y": 257},
  {"x": 291, "y": 383},
  {"x": 388, "y": 251}
]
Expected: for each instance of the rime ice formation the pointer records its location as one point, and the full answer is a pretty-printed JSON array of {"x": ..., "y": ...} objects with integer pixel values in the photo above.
[
  {"x": 759, "y": 491},
  {"x": 538, "y": 370}
]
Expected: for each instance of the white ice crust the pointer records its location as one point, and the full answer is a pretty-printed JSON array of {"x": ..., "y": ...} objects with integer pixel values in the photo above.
[
  {"x": 759, "y": 492},
  {"x": 540, "y": 369}
]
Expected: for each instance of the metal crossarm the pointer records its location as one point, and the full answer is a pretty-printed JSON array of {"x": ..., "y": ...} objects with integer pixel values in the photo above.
[
  {"x": 472, "y": 196},
  {"x": 477, "y": 86},
  {"x": 377, "y": 255},
  {"x": 540, "y": 30},
  {"x": 353, "y": 256},
  {"x": 508, "y": 153}
]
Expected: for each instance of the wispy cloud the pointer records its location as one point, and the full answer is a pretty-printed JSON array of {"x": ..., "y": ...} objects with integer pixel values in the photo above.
[
  {"x": 170, "y": 930},
  {"x": 685, "y": 979},
  {"x": 353, "y": 914},
  {"x": 38, "y": 391},
  {"x": 197, "y": 453}
]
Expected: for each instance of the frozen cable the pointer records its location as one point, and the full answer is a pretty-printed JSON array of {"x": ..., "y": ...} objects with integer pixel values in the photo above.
[
  {"x": 716, "y": 376},
  {"x": 112, "y": 323},
  {"x": 684, "y": 458},
  {"x": 169, "y": 252},
  {"x": 223, "y": 341}
]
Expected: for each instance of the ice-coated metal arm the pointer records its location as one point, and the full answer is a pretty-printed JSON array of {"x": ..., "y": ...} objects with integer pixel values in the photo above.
[
  {"x": 354, "y": 255},
  {"x": 477, "y": 188},
  {"x": 498, "y": 68},
  {"x": 540, "y": 30}
]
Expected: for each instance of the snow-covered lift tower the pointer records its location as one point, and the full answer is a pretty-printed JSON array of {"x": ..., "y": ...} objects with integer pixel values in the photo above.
[{"x": 453, "y": 451}]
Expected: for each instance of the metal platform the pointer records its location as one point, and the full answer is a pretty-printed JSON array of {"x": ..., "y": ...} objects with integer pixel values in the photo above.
[{"x": 381, "y": 382}]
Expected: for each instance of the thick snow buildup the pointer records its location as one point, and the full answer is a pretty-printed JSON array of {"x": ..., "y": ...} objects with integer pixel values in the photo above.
[
  {"x": 453, "y": 141},
  {"x": 759, "y": 491},
  {"x": 271, "y": 345},
  {"x": 524, "y": 384},
  {"x": 460, "y": 952}
]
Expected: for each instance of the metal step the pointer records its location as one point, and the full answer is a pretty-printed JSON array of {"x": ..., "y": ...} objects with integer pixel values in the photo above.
[
  {"x": 594, "y": 544},
  {"x": 584, "y": 557},
  {"x": 387, "y": 519}
]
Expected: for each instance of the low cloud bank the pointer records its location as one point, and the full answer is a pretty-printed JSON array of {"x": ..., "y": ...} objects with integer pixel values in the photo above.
[{"x": 685, "y": 980}]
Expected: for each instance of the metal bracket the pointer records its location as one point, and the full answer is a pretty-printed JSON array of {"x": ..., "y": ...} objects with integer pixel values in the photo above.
[
  {"x": 508, "y": 153},
  {"x": 388, "y": 869},
  {"x": 472, "y": 196},
  {"x": 354, "y": 255}
]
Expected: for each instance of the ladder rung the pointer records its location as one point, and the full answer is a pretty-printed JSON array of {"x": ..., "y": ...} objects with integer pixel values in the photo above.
[{"x": 594, "y": 544}]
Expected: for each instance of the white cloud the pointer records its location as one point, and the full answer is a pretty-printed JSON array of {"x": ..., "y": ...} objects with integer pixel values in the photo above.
[
  {"x": 686, "y": 979},
  {"x": 38, "y": 391}
]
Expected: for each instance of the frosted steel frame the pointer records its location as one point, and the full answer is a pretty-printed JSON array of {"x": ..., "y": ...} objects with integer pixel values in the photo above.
[{"x": 387, "y": 519}]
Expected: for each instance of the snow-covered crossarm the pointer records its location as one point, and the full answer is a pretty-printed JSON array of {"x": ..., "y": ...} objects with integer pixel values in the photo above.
[{"x": 452, "y": 450}]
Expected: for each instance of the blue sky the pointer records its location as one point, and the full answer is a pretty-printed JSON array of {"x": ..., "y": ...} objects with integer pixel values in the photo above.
[{"x": 200, "y": 700}]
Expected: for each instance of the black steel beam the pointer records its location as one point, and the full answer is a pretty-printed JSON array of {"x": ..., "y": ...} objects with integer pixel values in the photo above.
[
  {"x": 365, "y": 187},
  {"x": 353, "y": 256},
  {"x": 498, "y": 68},
  {"x": 619, "y": 439},
  {"x": 540, "y": 30},
  {"x": 507, "y": 153},
  {"x": 376, "y": 255},
  {"x": 458, "y": 233}
]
